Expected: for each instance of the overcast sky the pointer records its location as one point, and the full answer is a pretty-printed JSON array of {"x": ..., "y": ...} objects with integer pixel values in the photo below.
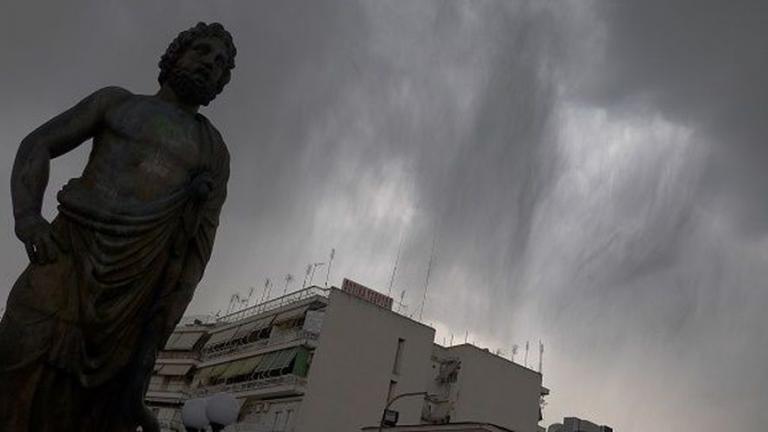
[{"x": 592, "y": 174}]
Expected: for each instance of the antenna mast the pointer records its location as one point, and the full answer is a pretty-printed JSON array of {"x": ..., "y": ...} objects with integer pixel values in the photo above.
[
  {"x": 526, "y": 353},
  {"x": 265, "y": 294},
  {"x": 314, "y": 267},
  {"x": 288, "y": 279},
  {"x": 541, "y": 355},
  {"x": 401, "y": 305},
  {"x": 515, "y": 347},
  {"x": 306, "y": 276},
  {"x": 429, "y": 272},
  {"x": 330, "y": 262},
  {"x": 394, "y": 269}
]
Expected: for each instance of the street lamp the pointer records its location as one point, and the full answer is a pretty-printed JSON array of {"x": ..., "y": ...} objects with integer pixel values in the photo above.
[
  {"x": 217, "y": 411},
  {"x": 400, "y": 396}
]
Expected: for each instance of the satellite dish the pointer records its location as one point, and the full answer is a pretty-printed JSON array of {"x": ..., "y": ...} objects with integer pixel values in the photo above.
[
  {"x": 222, "y": 409},
  {"x": 193, "y": 414}
]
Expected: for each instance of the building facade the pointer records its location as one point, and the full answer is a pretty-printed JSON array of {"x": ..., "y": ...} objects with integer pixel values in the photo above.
[
  {"x": 330, "y": 360},
  {"x": 575, "y": 424}
]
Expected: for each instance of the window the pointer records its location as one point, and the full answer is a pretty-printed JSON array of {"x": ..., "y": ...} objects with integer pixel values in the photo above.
[
  {"x": 398, "y": 355},
  {"x": 278, "y": 414}
]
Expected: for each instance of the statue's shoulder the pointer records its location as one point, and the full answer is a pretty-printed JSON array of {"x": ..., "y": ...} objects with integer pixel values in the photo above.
[
  {"x": 208, "y": 126},
  {"x": 104, "y": 100},
  {"x": 109, "y": 96},
  {"x": 215, "y": 141}
]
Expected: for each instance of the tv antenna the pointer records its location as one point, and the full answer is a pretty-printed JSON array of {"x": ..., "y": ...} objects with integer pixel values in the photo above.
[
  {"x": 288, "y": 280},
  {"x": 526, "y": 353},
  {"x": 330, "y": 263},
  {"x": 306, "y": 276},
  {"x": 515, "y": 347},
  {"x": 267, "y": 289},
  {"x": 401, "y": 305},
  {"x": 250, "y": 295},
  {"x": 314, "y": 267},
  {"x": 234, "y": 300},
  {"x": 429, "y": 273},
  {"x": 394, "y": 269},
  {"x": 541, "y": 355}
]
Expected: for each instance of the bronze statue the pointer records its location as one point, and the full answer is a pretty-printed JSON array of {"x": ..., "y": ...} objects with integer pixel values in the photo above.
[{"x": 111, "y": 275}]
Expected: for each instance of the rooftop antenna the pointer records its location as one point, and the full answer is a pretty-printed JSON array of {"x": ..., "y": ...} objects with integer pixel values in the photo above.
[
  {"x": 265, "y": 294},
  {"x": 515, "y": 347},
  {"x": 541, "y": 355},
  {"x": 250, "y": 294},
  {"x": 288, "y": 279},
  {"x": 526, "y": 353},
  {"x": 451, "y": 339},
  {"x": 330, "y": 262},
  {"x": 234, "y": 300},
  {"x": 429, "y": 272},
  {"x": 401, "y": 305},
  {"x": 314, "y": 267},
  {"x": 466, "y": 337},
  {"x": 394, "y": 269},
  {"x": 306, "y": 276}
]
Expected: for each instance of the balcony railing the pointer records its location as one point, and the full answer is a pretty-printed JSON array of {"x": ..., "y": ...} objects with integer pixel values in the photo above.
[
  {"x": 275, "y": 303},
  {"x": 275, "y": 340},
  {"x": 258, "y": 384},
  {"x": 178, "y": 355},
  {"x": 171, "y": 425}
]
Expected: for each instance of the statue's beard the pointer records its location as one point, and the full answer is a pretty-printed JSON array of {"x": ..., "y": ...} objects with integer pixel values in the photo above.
[{"x": 191, "y": 90}]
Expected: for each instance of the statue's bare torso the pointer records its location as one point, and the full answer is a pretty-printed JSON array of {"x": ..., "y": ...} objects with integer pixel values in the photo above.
[{"x": 143, "y": 137}]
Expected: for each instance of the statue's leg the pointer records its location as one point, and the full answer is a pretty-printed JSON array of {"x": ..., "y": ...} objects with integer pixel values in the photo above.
[{"x": 17, "y": 390}]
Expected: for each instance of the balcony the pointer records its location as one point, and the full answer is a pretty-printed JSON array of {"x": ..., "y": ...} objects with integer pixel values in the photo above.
[
  {"x": 298, "y": 336},
  {"x": 313, "y": 291},
  {"x": 274, "y": 386},
  {"x": 178, "y": 355}
]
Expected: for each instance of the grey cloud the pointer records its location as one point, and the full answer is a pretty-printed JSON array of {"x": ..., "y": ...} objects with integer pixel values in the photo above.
[{"x": 575, "y": 163}]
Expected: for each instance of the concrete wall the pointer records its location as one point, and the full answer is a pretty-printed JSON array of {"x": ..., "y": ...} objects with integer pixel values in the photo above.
[
  {"x": 352, "y": 367},
  {"x": 494, "y": 390}
]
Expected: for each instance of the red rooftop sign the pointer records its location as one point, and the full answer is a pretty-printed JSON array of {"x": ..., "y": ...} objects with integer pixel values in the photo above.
[{"x": 367, "y": 294}]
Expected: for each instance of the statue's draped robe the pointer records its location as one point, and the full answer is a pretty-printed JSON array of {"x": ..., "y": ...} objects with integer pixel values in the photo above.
[{"x": 73, "y": 329}]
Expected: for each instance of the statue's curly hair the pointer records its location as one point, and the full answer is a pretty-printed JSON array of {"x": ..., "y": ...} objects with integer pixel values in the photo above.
[{"x": 185, "y": 39}]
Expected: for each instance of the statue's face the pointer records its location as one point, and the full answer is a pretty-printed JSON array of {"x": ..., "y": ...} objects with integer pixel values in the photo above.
[
  {"x": 197, "y": 73},
  {"x": 205, "y": 60}
]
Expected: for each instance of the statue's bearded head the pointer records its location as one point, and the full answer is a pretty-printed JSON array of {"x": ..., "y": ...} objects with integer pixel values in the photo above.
[{"x": 198, "y": 63}]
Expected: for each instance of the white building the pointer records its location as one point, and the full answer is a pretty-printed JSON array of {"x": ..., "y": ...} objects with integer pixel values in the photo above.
[
  {"x": 575, "y": 424},
  {"x": 330, "y": 360}
]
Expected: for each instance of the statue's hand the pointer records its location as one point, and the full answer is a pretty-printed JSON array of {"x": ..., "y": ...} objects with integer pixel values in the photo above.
[
  {"x": 202, "y": 186},
  {"x": 39, "y": 239}
]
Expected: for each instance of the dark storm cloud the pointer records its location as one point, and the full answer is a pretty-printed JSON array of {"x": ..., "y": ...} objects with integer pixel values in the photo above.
[
  {"x": 702, "y": 63},
  {"x": 590, "y": 173},
  {"x": 666, "y": 267}
]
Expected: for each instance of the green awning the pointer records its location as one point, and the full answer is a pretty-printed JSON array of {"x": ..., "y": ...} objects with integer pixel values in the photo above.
[
  {"x": 242, "y": 367},
  {"x": 183, "y": 341},
  {"x": 221, "y": 336},
  {"x": 251, "y": 326},
  {"x": 291, "y": 314}
]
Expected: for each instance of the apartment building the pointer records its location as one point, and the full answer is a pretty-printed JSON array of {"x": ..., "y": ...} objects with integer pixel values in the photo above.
[
  {"x": 331, "y": 360},
  {"x": 575, "y": 424}
]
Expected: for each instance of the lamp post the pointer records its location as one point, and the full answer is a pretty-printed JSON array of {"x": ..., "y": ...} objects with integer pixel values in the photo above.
[
  {"x": 216, "y": 411},
  {"x": 400, "y": 396}
]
